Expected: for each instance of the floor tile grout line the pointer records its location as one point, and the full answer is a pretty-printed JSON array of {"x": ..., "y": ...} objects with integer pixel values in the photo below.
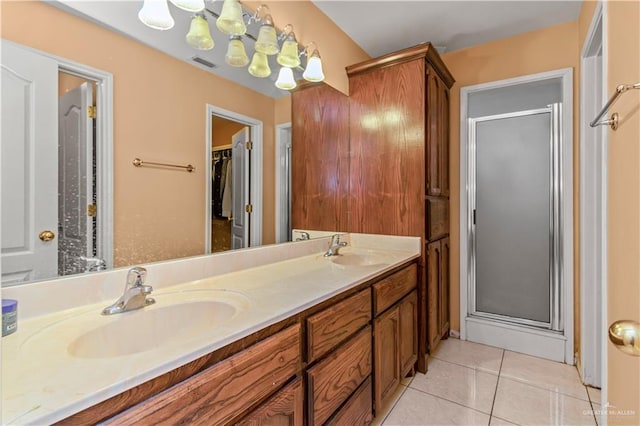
[
  {"x": 495, "y": 392},
  {"x": 394, "y": 404},
  {"x": 448, "y": 400},
  {"x": 533, "y": 385},
  {"x": 481, "y": 370},
  {"x": 593, "y": 411}
]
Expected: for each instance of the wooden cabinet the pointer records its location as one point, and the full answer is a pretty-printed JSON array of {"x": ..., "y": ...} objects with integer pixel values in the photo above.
[
  {"x": 438, "y": 291},
  {"x": 408, "y": 313},
  {"x": 220, "y": 393},
  {"x": 437, "y": 134},
  {"x": 386, "y": 338},
  {"x": 328, "y": 328},
  {"x": 332, "y": 381},
  {"x": 395, "y": 332},
  {"x": 357, "y": 411},
  {"x": 285, "y": 408}
]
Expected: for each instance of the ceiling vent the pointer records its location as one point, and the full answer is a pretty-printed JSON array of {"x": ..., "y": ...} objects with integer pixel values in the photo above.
[{"x": 204, "y": 62}]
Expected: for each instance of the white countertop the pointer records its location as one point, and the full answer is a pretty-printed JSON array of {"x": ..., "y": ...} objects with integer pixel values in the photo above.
[{"x": 43, "y": 382}]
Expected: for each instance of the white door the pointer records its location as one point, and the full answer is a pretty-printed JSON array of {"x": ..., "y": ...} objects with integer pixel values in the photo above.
[
  {"x": 240, "y": 159},
  {"x": 29, "y": 166},
  {"x": 76, "y": 181}
]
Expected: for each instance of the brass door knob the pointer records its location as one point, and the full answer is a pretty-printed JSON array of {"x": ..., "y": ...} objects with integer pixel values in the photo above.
[
  {"x": 46, "y": 235},
  {"x": 625, "y": 335}
]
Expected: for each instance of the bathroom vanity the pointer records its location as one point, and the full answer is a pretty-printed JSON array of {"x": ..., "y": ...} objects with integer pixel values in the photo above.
[{"x": 276, "y": 334}]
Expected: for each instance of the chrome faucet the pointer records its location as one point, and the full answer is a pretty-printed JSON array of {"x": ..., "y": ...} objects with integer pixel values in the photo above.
[
  {"x": 303, "y": 236},
  {"x": 335, "y": 246},
  {"x": 93, "y": 264},
  {"x": 135, "y": 293}
]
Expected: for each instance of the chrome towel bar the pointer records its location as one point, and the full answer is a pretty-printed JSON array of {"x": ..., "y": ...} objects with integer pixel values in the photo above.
[
  {"x": 613, "y": 121},
  {"x": 139, "y": 163}
]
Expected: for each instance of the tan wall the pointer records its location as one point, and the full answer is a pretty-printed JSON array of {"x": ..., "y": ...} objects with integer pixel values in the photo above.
[
  {"x": 310, "y": 24},
  {"x": 158, "y": 116},
  {"x": 283, "y": 110},
  {"x": 623, "y": 66},
  {"x": 538, "y": 51},
  {"x": 223, "y": 130}
]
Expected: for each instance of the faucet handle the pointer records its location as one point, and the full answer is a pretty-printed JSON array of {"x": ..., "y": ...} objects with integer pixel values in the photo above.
[{"x": 136, "y": 276}]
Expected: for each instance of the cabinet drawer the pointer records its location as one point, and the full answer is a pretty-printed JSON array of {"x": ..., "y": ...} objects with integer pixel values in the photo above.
[
  {"x": 437, "y": 218},
  {"x": 391, "y": 289},
  {"x": 357, "y": 411},
  {"x": 334, "y": 379},
  {"x": 221, "y": 392},
  {"x": 327, "y": 329}
]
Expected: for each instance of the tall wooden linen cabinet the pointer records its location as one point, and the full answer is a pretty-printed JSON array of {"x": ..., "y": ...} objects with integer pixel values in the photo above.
[{"x": 398, "y": 165}]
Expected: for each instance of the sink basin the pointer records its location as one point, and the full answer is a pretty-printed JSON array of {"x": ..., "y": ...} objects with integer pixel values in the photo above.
[
  {"x": 175, "y": 318},
  {"x": 351, "y": 259}
]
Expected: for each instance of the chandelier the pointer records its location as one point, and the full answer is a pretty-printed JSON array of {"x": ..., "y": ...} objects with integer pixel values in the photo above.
[{"x": 155, "y": 14}]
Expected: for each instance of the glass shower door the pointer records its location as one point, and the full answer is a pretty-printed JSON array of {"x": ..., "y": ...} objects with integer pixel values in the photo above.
[{"x": 514, "y": 217}]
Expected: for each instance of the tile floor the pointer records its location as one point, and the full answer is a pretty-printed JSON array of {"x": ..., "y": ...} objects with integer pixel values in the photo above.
[{"x": 472, "y": 384}]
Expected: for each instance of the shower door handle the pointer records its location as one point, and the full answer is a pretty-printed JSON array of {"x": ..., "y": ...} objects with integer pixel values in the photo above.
[{"x": 625, "y": 335}]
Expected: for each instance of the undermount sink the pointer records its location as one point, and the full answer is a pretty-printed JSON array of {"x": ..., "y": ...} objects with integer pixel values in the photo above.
[
  {"x": 176, "y": 317},
  {"x": 348, "y": 259}
]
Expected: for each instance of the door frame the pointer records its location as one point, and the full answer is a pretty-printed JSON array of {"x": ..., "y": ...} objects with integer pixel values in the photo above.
[
  {"x": 593, "y": 250},
  {"x": 255, "y": 182},
  {"x": 537, "y": 337},
  {"x": 104, "y": 145},
  {"x": 282, "y": 195}
]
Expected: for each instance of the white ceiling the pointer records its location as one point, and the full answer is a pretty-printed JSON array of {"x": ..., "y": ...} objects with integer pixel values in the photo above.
[{"x": 381, "y": 27}]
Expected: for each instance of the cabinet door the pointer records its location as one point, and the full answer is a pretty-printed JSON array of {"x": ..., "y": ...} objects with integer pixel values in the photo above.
[
  {"x": 434, "y": 254},
  {"x": 285, "y": 408},
  {"x": 386, "y": 354},
  {"x": 443, "y": 289},
  {"x": 434, "y": 143},
  {"x": 408, "y": 332}
]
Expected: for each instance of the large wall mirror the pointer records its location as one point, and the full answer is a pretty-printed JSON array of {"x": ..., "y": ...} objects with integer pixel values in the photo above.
[{"x": 72, "y": 199}]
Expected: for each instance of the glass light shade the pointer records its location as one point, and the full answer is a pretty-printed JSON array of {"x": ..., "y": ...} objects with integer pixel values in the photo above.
[
  {"x": 313, "y": 72},
  {"x": 189, "y": 5},
  {"x": 267, "y": 42},
  {"x": 259, "y": 65},
  {"x": 288, "y": 56},
  {"x": 199, "y": 36},
  {"x": 236, "y": 55},
  {"x": 285, "y": 79},
  {"x": 230, "y": 20},
  {"x": 155, "y": 14}
]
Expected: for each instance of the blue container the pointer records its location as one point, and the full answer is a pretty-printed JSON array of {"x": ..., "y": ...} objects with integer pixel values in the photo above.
[{"x": 9, "y": 316}]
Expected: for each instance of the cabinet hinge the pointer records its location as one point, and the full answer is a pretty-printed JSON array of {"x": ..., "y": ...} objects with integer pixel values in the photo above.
[
  {"x": 92, "y": 210},
  {"x": 249, "y": 145},
  {"x": 91, "y": 112},
  {"x": 248, "y": 208}
]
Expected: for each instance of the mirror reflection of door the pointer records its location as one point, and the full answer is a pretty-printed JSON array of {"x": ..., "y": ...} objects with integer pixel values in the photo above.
[
  {"x": 48, "y": 169},
  {"x": 229, "y": 185},
  {"x": 29, "y": 175}
]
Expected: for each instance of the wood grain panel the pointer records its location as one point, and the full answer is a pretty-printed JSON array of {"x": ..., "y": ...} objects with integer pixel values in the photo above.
[
  {"x": 434, "y": 129},
  {"x": 433, "y": 298},
  {"x": 408, "y": 333},
  {"x": 333, "y": 380},
  {"x": 320, "y": 159},
  {"x": 358, "y": 410},
  {"x": 388, "y": 291},
  {"x": 437, "y": 218},
  {"x": 444, "y": 289},
  {"x": 386, "y": 329},
  {"x": 387, "y": 150},
  {"x": 286, "y": 408},
  {"x": 327, "y": 329},
  {"x": 444, "y": 125},
  {"x": 224, "y": 391}
]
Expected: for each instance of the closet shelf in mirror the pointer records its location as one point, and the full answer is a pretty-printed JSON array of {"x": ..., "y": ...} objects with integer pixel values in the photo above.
[{"x": 139, "y": 163}]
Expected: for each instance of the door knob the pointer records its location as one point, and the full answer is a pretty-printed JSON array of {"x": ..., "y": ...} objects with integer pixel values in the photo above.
[
  {"x": 625, "y": 335},
  {"x": 46, "y": 235}
]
